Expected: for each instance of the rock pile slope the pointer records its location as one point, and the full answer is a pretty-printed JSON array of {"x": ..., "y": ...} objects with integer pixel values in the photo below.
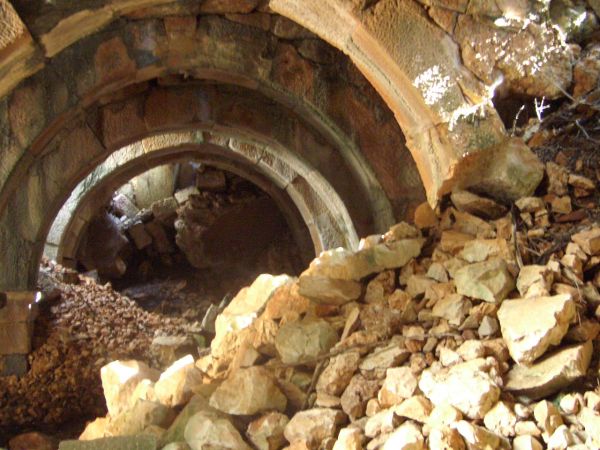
[{"x": 474, "y": 328}]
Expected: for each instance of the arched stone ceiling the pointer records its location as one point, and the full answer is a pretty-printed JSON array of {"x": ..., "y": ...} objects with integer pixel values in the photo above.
[
  {"x": 443, "y": 109},
  {"x": 280, "y": 173}
]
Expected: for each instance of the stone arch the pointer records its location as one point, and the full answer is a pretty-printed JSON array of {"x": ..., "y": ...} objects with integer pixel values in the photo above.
[
  {"x": 411, "y": 62},
  {"x": 278, "y": 172}
]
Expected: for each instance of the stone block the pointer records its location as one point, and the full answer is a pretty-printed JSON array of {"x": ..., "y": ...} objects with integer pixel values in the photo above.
[
  {"x": 18, "y": 307},
  {"x": 144, "y": 442},
  {"x": 13, "y": 365},
  {"x": 15, "y": 338}
]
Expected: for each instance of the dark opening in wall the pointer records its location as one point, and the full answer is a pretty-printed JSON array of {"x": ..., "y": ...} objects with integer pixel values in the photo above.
[{"x": 187, "y": 231}]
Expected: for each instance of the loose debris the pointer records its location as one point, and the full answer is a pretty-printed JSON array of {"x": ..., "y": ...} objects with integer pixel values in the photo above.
[{"x": 459, "y": 332}]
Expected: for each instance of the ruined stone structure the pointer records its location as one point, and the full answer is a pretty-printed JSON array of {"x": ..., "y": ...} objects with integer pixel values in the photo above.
[{"x": 351, "y": 113}]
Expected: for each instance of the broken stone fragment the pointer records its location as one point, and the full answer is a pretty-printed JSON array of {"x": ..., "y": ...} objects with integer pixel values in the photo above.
[
  {"x": 465, "y": 386},
  {"x": 142, "y": 415},
  {"x": 488, "y": 280},
  {"x": 445, "y": 438},
  {"x": 548, "y": 418},
  {"x": 474, "y": 204},
  {"x": 248, "y": 391},
  {"x": 119, "y": 380},
  {"x": 383, "y": 358},
  {"x": 535, "y": 278},
  {"x": 266, "y": 432},
  {"x": 530, "y": 326},
  {"x": 530, "y": 204},
  {"x": 588, "y": 240},
  {"x": 243, "y": 310},
  {"x": 550, "y": 374},
  {"x": 382, "y": 422},
  {"x": 501, "y": 419},
  {"x": 357, "y": 394},
  {"x": 313, "y": 426},
  {"x": 175, "y": 385},
  {"x": 322, "y": 289},
  {"x": 350, "y": 438},
  {"x": 305, "y": 340},
  {"x": 140, "y": 442},
  {"x": 211, "y": 430},
  {"x": 454, "y": 308},
  {"x": 400, "y": 383},
  {"x": 526, "y": 442},
  {"x": 417, "y": 408},
  {"x": 477, "y": 437},
  {"x": 407, "y": 436},
  {"x": 336, "y": 376}
]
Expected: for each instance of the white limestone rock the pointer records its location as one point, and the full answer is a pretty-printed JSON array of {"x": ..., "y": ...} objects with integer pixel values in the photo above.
[{"x": 529, "y": 326}]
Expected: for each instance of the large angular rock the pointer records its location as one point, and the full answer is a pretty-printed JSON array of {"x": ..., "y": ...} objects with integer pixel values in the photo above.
[
  {"x": 119, "y": 380},
  {"x": 399, "y": 384},
  {"x": 477, "y": 437},
  {"x": 357, "y": 394},
  {"x": 243, "y": 311},
  {"x": 322, "y": 289},
  {"x": 248, "y": 391},
  {"x": 550, "y": 374},
  {"x": 176, "y": 432},
  {"x": 266, "y": 432},
  {"x": 143, "y": 415},
  {"x": 303, "y": 341},
  {"x": 474, "y": 204},
  {"x": 336, "y": 376},
  {"x": 465, "y": 386},
  {"x": 333, "y": 277},
  {"x": 487, "y": 280},
  {"x": 529, "y": 326},
  {"x": 175, "y": 385},
  {"x": 407, "y": 436},
  {"x": 207, "y": 430},
  {"x": 588, "y": 240},
  {"x": 313, "y": 426}
]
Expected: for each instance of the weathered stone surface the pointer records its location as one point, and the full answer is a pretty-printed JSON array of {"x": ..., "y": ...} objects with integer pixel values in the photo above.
[
  {"x": 501, "y": 419},
  {"x": 454, "y": 308},
  {"x": 210, "y": 430},
  {"x": 474, "y": 204},
  {"x": 488, "y": 280},
  {"x": 243, "y": 311},
  {"x": 141, "y": 416},
  {"x": 477, "y": 437},
  {"x": 416, "y": 408},
  {"x": 176, "y": 432},
  {"x": 526, "y": 442},
  {"x": 266, "y": 432},
  {"x": 336, "y": 376},
  {"x": 550, "y": 374},
  {"x": 383, "y": 358},
  {"x": 248, "y": 391},
  {"x": 144, "y": 442},
  {"x": 408, "y": 436},
  {"x": 303, "y": 341},
  {"x": 528, "y": 339},
  {"x": 313, "y": 426},
  {"x": 119, "y": 380},
  {"x": 324, "y": 289},
  {"x": 357, "y": 394},
  {"x": 465, "y": 386},
  {"x": 400, "y": 383},
  {"x": 588, "y": 240},
  {"x": 349, "y": 439},
  {"x": 175, "y": 385}
]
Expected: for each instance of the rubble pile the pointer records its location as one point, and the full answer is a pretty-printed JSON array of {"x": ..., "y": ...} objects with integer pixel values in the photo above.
[
  {"x": 81, "y": 326},
  {"x": 192, "y": 226},
  {"x": 474, "y": 328}
]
